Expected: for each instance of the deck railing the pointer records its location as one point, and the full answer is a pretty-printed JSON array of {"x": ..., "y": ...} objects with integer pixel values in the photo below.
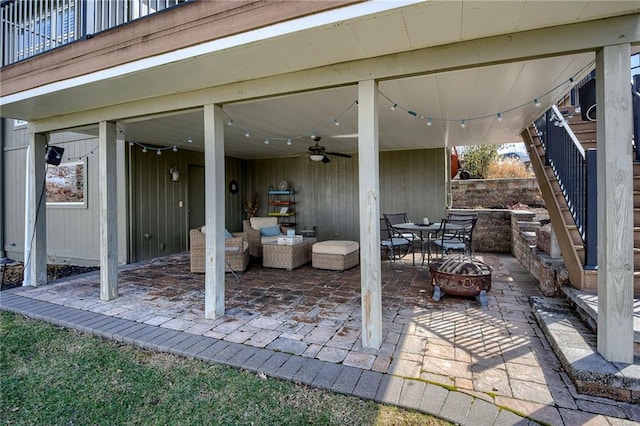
[
  {"x": 575, "y": 171},
  {"x": 31, "y": 27}
]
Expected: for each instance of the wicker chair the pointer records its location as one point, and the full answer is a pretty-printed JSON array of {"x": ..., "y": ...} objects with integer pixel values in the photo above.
[
  {"x": 236, "y": 254},
  {"x": 252, "y": 229}
]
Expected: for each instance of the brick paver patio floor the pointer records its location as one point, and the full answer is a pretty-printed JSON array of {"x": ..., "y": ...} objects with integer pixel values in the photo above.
[{"x": 496, "y": 354}]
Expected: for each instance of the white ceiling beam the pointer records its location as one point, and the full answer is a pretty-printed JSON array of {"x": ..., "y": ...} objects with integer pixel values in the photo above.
[{"x": 547, "y": 42}]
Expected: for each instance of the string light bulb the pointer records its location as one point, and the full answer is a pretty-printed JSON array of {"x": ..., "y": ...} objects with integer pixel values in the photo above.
[
  {"x": 175, "y": 148},
  {"x": 463, "y": 123},
  {"x": 499, "y": 117},
  {"x": 266, "y": 141},
  {"x": 289, "y": 141},
  {"x": 230, "y": 122},
  {"x": 144, "y": 149},
  {"x": 336, "y": 122},
  {"x": 537, "y": 103},
  {"x": 158, "y": 152},
  {"x": 429, "y": 122},
  {"x": 393, "y": 107},
  {"x": 247, "y": 134},
  {"x": 189, "y": 140}
]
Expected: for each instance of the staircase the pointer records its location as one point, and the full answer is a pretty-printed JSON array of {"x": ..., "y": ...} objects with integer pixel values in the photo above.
[{"x": 567, "y": 233}]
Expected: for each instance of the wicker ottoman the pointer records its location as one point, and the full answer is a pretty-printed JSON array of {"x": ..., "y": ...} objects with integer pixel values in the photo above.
[
  {"x": 287, "y": 256},
  {"x": 335, "y": 255}
]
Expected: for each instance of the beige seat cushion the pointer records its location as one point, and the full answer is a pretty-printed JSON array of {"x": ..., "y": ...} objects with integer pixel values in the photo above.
[
  {"x": 263, "y": 222},
  {"x": 336, "y": 247}
]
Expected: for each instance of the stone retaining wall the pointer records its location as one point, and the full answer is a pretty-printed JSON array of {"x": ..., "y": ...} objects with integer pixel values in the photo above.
[
  {"x": 493, "y": 230},
  {"x": 475, "y": 193},
  {"x": 517, "y": 232}
]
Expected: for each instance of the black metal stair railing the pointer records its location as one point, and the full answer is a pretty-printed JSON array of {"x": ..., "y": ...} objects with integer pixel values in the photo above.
[{"x": 575, "y": 171}]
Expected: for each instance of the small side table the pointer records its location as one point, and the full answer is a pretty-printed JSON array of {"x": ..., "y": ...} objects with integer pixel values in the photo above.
[{"x": 287, "y": 256}]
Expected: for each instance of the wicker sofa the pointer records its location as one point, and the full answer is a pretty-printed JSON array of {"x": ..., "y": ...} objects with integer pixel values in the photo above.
[
  {"x": 253, "y": 229},
  {"x": 236, "y": 251}
]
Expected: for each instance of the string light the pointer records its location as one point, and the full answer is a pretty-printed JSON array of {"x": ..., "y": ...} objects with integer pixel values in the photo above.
[
  {"x": 267, "y": 139},
  {"x": 158, "y": 150},
  {"x": 570, "y": 82},
  {"x": 87, "y": 155},
  {"x": 499, "y": 116}
]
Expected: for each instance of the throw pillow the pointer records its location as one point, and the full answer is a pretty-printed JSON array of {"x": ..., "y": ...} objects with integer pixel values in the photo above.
[{"x": 270, "y": 231}]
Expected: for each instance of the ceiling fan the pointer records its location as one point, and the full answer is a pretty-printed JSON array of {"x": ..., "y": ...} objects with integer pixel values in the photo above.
[{"x": 318, "y": 153}]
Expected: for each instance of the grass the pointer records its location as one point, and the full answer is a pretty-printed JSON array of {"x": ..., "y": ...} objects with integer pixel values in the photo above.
[{"x": 55, "y": 376}]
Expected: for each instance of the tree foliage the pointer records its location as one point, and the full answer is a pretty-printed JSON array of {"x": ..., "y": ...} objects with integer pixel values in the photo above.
[{"x": 477, "y": 159}]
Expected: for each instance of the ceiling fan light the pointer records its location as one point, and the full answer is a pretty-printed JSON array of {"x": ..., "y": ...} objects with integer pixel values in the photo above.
[{"x": 316, "y": 157}]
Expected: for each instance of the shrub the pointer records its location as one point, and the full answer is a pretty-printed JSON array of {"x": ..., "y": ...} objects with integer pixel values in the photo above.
[{"x": 508, "y": 168}]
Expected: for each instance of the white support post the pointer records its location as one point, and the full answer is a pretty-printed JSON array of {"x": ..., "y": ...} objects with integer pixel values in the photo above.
[
  {"x": 369, "y": 189},
  {"x": 615, "y": 206},
  {"x": 107, "y": 183},
  {"x": 36, "y": 261},
  {"x": 214, "y": 211}
]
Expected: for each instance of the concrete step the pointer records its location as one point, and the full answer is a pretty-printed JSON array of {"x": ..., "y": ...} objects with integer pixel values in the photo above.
[
  {"x": 586, "y": 305},
  {"x": 575, "y": 346}
]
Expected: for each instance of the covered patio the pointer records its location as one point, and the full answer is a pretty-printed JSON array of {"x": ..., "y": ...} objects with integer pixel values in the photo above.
[{"x": 497, "y": 355}]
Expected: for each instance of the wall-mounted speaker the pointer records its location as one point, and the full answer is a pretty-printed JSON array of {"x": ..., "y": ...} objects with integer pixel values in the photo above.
[{"x": 54, "y": 155}]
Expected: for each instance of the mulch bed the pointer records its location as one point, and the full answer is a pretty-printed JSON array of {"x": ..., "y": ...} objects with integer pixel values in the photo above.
[{"x": 13, "y": 274}]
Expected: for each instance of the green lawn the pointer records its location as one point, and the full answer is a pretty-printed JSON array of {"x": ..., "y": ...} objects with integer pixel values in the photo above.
[{"x": 54, "y": 376}]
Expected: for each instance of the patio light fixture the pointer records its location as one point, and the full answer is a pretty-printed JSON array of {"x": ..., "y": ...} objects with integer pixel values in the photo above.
[
  {"x": 316, "y": 157},
  {"x": 175, "y": 173}
]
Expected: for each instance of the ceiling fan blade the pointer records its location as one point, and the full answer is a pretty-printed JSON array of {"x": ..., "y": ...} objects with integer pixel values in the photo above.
[
  {"x": 339, "y": 154},
  {"x": 326, "y": 160}
]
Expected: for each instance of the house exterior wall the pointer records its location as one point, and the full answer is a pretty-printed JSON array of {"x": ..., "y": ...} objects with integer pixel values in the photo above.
[
  {"x": 160, "y": 207},
  {"x": 327, "y": 194},
  {"x": 185, "y": 25},
  {"x": 72, "y": 231}
]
